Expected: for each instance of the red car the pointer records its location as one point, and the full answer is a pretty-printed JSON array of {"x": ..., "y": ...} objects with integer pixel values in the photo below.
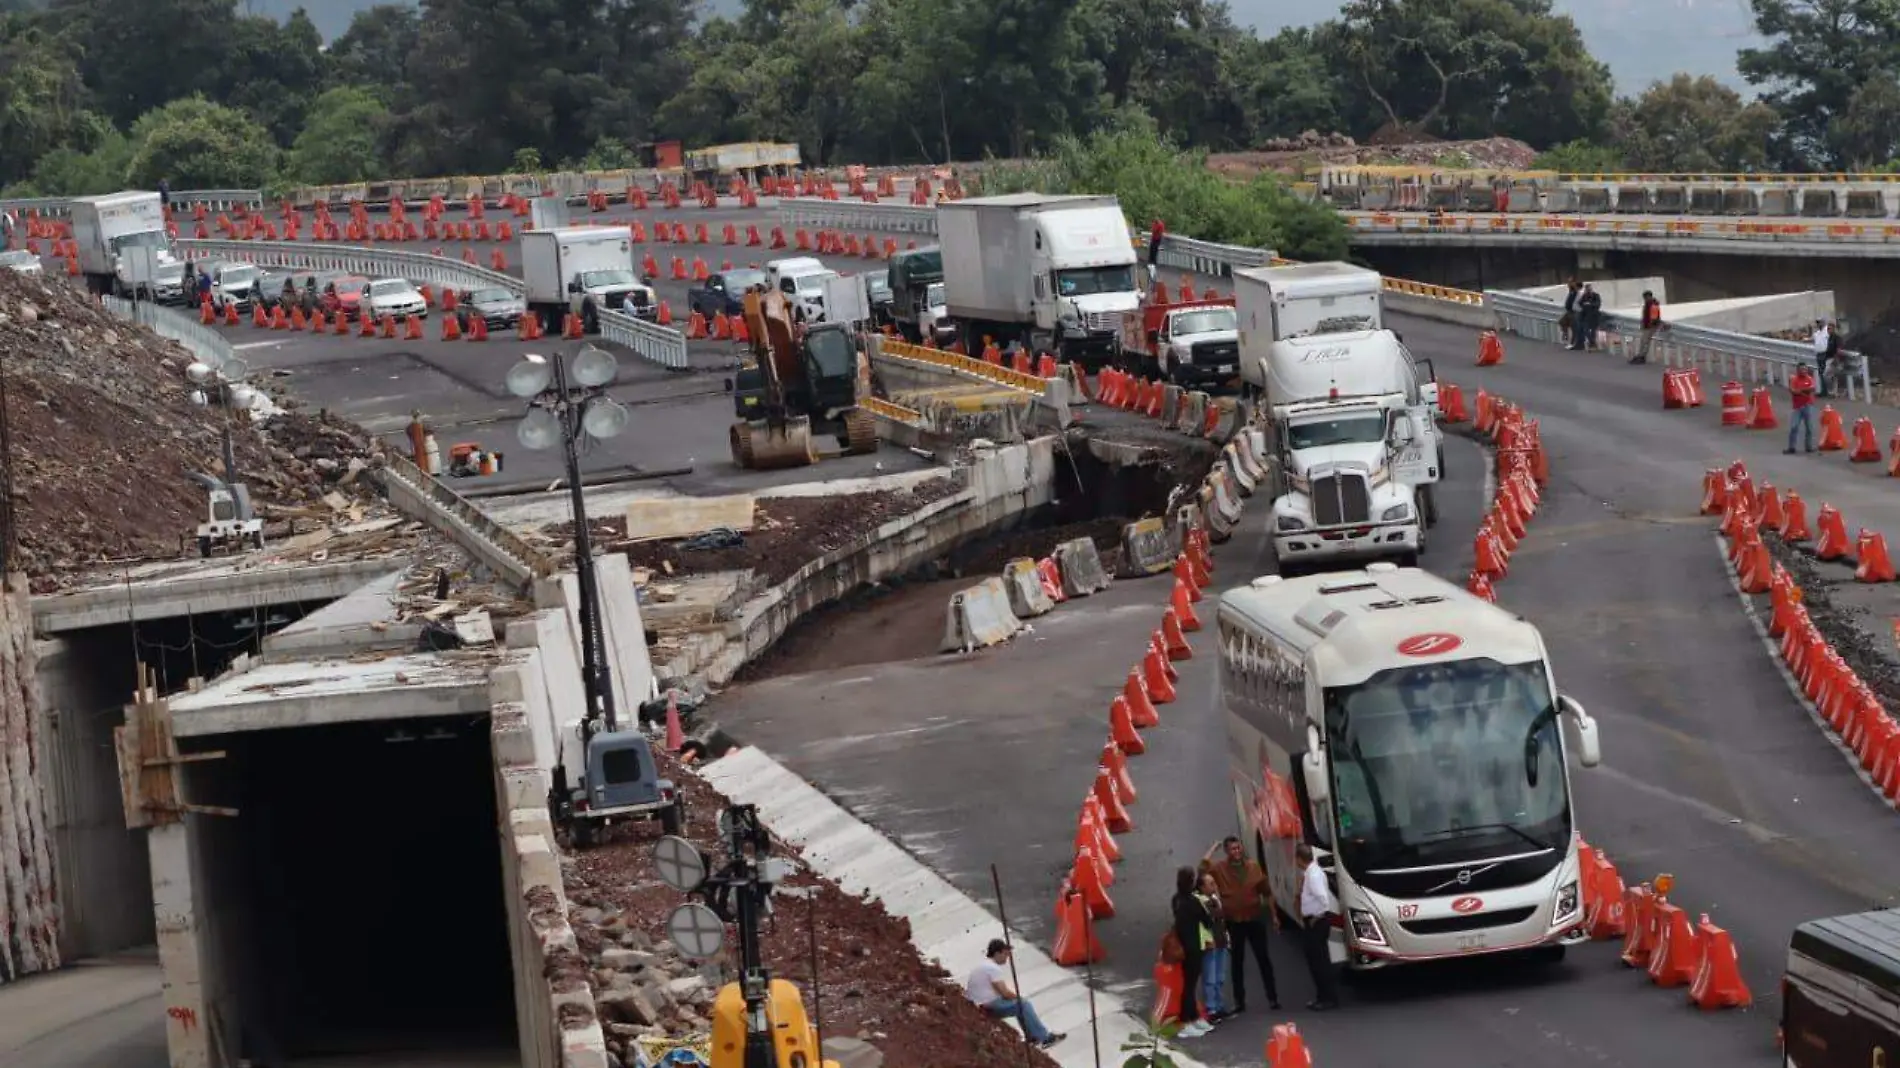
[{"x": 345, "y": 294}]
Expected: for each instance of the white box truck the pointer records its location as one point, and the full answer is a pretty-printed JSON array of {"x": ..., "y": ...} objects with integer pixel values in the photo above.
[
  {"x": 581, "y": 271},
  {"x": 1277, "y": 303},
  {"x": 1053, "y": 272},
  {"x": 105, "y": 226}
]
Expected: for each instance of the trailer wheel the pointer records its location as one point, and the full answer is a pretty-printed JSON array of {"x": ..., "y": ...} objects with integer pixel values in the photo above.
[
  {"x": 204, "y": 547},
  {"x": 257, "y": 539}
]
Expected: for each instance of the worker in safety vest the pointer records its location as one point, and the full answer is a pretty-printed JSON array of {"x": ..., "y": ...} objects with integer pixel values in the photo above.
[{"x": 419, "y": 439}]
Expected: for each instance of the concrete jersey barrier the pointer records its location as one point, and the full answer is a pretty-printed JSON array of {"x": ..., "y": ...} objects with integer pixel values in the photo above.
[
  {"x": 1148, "y": 548},
  {"x": 1027, "y": 598},
  {"x": 1081, "y": 567},
  {"x": 1237, "y": 471},
  {"x": 1192, "y": 414},
  {"x": 979, "y": 617},
  {"x": 1224, "y": 420}
]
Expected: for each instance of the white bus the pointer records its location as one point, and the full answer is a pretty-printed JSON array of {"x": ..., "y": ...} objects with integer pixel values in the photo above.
[{"x": 1409, "y": 732}]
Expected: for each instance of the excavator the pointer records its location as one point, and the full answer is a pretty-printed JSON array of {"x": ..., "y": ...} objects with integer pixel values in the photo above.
[{"x": 800, "y": 377}]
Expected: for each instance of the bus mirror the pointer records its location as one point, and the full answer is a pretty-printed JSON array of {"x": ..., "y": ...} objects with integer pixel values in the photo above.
[
  {"x": 1313, "y": 766},
  {"x": 1584, "y": 726}
]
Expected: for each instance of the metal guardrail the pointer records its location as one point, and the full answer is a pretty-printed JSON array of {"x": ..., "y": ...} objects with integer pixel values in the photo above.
[
  {"x": 1721, "y": 352},
  {"x": 653, "y": 342},
  {"x": 816, "y": 213},
  {"x": 1611, "y": 227},
  {"x": 456, "y": 516},
  {"x": 206, "y": 344},
  {"x": 213, "y": 199},
  {"x": 418, "y": 267}
]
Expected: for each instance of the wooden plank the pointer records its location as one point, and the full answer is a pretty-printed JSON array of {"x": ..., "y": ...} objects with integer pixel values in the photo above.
[
  {"x": 682, "y": 517},
  {"x": 125, "y": 740}
]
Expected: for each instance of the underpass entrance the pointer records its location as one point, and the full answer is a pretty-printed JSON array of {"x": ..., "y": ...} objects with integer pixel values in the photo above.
[{"x": 353, "y": 911}]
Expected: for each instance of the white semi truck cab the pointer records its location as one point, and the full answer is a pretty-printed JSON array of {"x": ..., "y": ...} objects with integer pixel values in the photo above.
[{"x": 583, "y": 271}]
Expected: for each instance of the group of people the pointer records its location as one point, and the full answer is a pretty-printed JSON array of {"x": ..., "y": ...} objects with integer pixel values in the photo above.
[
  {"x": 1806, "y": 384},
  {"x": 1221, "y": 911},
  {"x": 1582, "y": 321}
]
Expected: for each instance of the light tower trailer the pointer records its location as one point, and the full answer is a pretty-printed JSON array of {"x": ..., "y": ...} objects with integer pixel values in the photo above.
[{"x": 1413, "y": 735}]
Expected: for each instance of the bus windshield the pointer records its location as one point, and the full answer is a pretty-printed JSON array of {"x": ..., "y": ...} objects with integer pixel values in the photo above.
[{"x": 1446, "y": 763}]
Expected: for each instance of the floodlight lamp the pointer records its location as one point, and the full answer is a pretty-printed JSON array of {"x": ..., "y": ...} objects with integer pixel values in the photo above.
[
  {"x": 233, "y": 370},
  {"x": 199, "y": 373},
  {"x": 595, "y": 367},
  {"x": 242, "y": 398},
  {"x": 198, "y": 398},
  {"x": 531, "y": 376},
  {"x": 539, "y": 429},
  {"x": 604, "y": 418}
]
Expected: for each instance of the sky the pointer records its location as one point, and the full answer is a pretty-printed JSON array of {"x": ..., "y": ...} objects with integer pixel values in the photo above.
[{"x": 1642, "y": 40}]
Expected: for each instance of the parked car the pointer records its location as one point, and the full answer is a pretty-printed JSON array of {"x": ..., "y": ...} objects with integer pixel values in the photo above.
[
  {"x": 234, "y": 285},
  {"x": 397, "y": 297},
  {"x": 22, "y": 261},
  {"x": 344, "y": 293},
  {"x": 499, "y": 308},
  {"x": 724, "y": 292}
]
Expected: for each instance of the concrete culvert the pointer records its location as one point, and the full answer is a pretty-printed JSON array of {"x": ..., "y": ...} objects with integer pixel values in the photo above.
[{"x": 354, "y": 906}]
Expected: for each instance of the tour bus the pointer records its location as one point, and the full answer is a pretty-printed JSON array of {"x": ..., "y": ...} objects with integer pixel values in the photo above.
[{"x": 1409, "y": 732}]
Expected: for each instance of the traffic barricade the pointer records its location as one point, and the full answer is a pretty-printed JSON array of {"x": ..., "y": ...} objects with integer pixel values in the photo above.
[
  {"x": 1023, "y": 582},
  {"x": 1148, "y": 548},
  {"x": 979, "y": 617},
  {"x": 1081, "y": 567}
]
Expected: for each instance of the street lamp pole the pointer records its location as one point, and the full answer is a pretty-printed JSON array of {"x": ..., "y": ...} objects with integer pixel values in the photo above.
[{"x": 569, "y": 413}]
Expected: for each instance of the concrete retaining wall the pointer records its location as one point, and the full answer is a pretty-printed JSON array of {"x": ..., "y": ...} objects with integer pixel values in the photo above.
[
  {"x": 554, "y": 1003},
  {"x": 625, "y": 631},
  {"x": 29, "y": 902}
]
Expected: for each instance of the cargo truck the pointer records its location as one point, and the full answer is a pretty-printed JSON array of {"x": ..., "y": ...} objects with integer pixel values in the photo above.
[
  {"x": 1277, "y": 303},
  {"x": 583, "y": 271},
  {"x": 916, "y": 281},
  {"x": 105, "y": 227},
  {"x": 1190, "y": 343},
  {"x": 1055, "y": 273}
]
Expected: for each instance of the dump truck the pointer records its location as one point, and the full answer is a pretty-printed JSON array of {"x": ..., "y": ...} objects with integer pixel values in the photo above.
[{"x": 800, "y": 380}]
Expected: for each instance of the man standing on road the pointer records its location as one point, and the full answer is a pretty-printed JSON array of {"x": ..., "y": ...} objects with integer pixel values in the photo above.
[
  {"x": 1589, "y": 315},
  {"x": 1652, "y": 322},
  {"x": 989, "y": 988},
  {"x": 1820, "y": 341},
  {"x": 1572, "y": 323},
  {"x": 1247, "y": 907},
  {"x": 1801, "y": 396},
  {"x": 1316, "y": 931}
]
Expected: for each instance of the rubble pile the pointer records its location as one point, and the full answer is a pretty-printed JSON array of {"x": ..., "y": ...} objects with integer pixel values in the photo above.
[
  {"x": 874, "y": 986},
  {"x": 1300, "y": 156},
  {"x": 103, "y": 433}
]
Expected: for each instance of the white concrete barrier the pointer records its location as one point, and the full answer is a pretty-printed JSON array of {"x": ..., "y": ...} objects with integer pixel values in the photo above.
[
  {"x": 1027, "y": 598},
  {"x": 1192, "y": 413},
  {"x": 1227, "y": 503},
  {"x": 1230, "y": 458},
  {"x": 1148, "y": 548},
  {"x": 1248, "y": 448},
  {"x": 1081, "y": 567},
  {"x": 979, "y": 617}
]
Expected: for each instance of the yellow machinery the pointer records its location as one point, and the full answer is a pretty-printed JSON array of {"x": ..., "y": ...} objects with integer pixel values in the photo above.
[
  {"x": 794, "y": 1039},
  {"x": 794, "y": 385}
]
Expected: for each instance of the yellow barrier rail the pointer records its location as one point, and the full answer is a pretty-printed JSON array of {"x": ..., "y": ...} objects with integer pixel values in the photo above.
[
  {"x": 1410, "y": 288},
  {"x": 1689, "y": 178},
  {"x": 897, "y": 413},
  {"x": 955, "y": 362}
]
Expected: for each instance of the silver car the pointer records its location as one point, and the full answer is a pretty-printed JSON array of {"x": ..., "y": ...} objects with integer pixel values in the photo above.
[{"x": 22, "y": 261}]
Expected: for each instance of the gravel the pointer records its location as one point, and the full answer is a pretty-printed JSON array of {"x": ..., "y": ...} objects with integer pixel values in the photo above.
[
  {"x": 1851, "y": 630},
  {"x": 872, "y": 984},
  {"x": 103, "y": 433}
]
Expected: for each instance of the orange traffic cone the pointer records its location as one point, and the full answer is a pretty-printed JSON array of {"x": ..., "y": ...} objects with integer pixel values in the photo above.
[
  {"x": 675, "y": 733},
  {"x": 1178, "y": 648},
  {"x": 1762, "y": 411},
  {"x": 1114, "y": 816},
  {"x": 1490, "y": 349},
  {"x": 1075, "y": 935},
  {"x": 1286, "y": 1049},
  {"x": 412, "y": 328},
  {"x": 1087, "y": 879},
  {"x": 1833, "y": 541},
  {"x": 1714, "y": 491},
  {"x": 696, "y": 327},
  {"x": 1184, "y": 574},
  {"x": 1604, "y": 919},
  {"x": 1182, "y": 603},
  {"x": 1159, "y": 644},
  {"x": 1866, "y": 446},
  {"x": 1140, "y": 708},
  {"x": 1638, "y": 910},
  {"x": 1871, "y": 552},
  {"x": 1794, "y": 519},
  {"x": 1833, "y": 434},
  {"x": 1768, "y": 515},
  {"x": 451, "y": 329},
  {"x": 1154, "y": 675},
  {"x": 478, "y": 329},
  {"x": 1677, "y": 954},
  {"x": 1117, "y": 764},
  {"x": 1718, "y": 979},
  {"x": 1121, "y": 728},
  {"x": 1089, "y": 831}
]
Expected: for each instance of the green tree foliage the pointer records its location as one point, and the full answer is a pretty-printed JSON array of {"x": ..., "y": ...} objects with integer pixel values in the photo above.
[
  {"x": 342, "y": 141},
  {"x": 42, "y": 99},
  {"x": 1579, "y": 157},
  {"x": 1820, "y": 54},
  {"x": 196, "y": 144},
  {"x": 1693, "y": 124},
  {"x": 1155, "y": 179}
]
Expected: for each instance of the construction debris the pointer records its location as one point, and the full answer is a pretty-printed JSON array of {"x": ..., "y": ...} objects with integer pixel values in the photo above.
[{"x": 103, "y": 432}]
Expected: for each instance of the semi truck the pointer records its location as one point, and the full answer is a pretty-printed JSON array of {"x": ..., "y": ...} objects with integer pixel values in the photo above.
[
  {"x": 1413, "y": 735},
  {"x": 106, "y": 227},
  {"x": 1055, "y": 273},
  {"x": 1278, "y": 303},
  {"x": 1190, "y": 343},
  {"x": 583, "y": 271}
]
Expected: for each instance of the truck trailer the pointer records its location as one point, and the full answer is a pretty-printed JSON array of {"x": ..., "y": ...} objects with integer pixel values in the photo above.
[{"x": 1055, "y": 273}]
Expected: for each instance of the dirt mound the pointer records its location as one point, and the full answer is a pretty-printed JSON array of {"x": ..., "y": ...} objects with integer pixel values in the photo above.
[
  {"x": 103, "y": 432},
  {"x": 1502, "y": 154}
]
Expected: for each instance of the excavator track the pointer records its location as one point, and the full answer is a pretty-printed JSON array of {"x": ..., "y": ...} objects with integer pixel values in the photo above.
[
  {"x": 860, "y": 432},
  {"x": 740, "y": 439}
]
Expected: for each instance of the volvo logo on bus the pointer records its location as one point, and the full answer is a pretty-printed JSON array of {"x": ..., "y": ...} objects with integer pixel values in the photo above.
[
  {"x": 1429, "y": 644},
  {"x": 1465, "y": 906}
]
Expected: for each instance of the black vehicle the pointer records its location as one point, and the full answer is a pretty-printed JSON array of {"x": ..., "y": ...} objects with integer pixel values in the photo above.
[
  {"x": 724, "y": 292},
  {"x": 498, "y": 307},
  {"x": 877, "y": 287},
  {"x": 1840, "y": 999}
]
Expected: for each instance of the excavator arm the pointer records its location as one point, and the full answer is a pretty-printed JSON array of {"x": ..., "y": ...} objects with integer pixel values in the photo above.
[{"x": 775, "y": 436}]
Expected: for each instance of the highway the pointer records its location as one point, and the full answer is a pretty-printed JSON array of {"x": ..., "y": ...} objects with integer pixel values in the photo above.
[{"x": 1711, "y": 772}]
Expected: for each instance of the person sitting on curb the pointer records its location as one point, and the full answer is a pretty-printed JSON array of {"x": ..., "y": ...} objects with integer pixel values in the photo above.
[
  {"x": 1801, "y": 396},
  {"x": 989, "y": 988}
]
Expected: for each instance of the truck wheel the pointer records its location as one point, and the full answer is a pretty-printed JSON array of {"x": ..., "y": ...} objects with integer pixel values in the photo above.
[
  {"x": 673, "y": 817},
  {"x": 582, "y": 834},
  {"x": 590, "y": 320},
  {"x": 1428, "y": 506},
  {"x": 1407, "y": 560},
  {"x": 204, "y": 547},
  {"x": 257, "y": 540}
]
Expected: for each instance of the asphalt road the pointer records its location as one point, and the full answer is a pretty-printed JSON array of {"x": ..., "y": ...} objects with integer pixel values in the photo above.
[{"x": 97, "y": 1014}]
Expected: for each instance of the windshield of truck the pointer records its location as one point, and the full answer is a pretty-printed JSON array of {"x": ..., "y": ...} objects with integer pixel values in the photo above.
[
  {"x": 606, "y": 279},
  {"x": 877, "y": 287},
  {"x": 148, "y": 239},
  {"x": 1088, "y": 281},
  {"x": 1205, "y": 322},
  {"x": 1346, "y": 430},
  {"x": 832, "y": 351},
  {"x": 238, "y": 277},
  {"x": 737, "y": 282},
  {"x": 917, "y": 266},
  {"x": 933, "y": 297},
  {"x": 1445, "y": 763}
]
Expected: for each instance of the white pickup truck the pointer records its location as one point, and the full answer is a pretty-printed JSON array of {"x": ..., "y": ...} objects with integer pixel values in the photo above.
[{"x": 1189, "y": 343}]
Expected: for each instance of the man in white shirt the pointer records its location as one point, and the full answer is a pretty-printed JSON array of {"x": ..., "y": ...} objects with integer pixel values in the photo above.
[
  {"x": 1820, "y": 341},
  {"x": 1317, "y": 908},
  {"x": 989, "y": 988}
]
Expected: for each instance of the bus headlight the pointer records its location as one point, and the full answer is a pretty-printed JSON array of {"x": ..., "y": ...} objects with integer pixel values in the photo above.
[
  {"x": 1566, "y": 909},
  {"x": 1289, "y": 523},
  {"x": 1396, "y": 513},
  {"x": 1365, "y": 927}
]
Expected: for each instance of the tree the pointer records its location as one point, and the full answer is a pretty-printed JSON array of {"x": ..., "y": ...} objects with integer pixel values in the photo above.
[
  {"x": 342, "y": 142},
  {"x": 1580, "y": 157},
  {"x": 1469, "y": 68},
  {"x": 41, "y": 100},
  {"x": 376, "y": 48},
  {"x": 272, "y": 70},
  {"x": 196, "y": 144},
  {"x": 1868, "y": 133},
  {"x": 139, "y": 54},
  {"x": 1819, "y": 54},
  {"x": 1693, "y": 125}
]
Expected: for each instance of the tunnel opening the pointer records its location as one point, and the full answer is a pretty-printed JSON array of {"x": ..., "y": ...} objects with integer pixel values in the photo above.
[
  {"x": 180, "y": 648},
  {"x": 902, "y": 618},
  {"x": 354, "y": 906}
]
